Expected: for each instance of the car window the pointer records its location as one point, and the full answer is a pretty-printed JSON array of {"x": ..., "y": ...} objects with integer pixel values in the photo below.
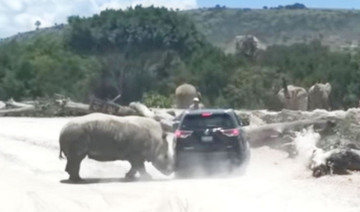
[{"x": 193, "y": 122}]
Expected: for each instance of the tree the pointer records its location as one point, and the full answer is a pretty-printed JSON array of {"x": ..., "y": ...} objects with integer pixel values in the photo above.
[
  {"x": 41, "y": 66},
  {"x": 296, "y": 6},
  {"x": 143, "y": 49},
  {"x": 37, "y": 24},
  {"x": 254, "y": 88}
]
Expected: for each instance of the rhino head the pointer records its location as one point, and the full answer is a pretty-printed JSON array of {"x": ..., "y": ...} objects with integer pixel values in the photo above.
[{"x": 165, "y": 160}]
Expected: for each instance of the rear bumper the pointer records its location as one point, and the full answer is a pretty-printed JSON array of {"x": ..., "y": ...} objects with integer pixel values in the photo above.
[{"x": 186, "y": 159}]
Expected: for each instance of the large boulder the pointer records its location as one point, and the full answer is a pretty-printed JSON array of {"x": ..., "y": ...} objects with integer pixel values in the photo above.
[
  {"x": 295, "y": 98},
  {"x": 247, "y": 45},
  {"x": 319, "y": 95},
  {"x": 184, "y": 95}
]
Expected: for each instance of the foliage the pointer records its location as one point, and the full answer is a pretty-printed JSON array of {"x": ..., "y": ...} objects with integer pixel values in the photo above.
[
  {"x": 254, "y": 88},
  {"x": 296, "y": 6},
  {"x": 135, "y": 28},
  {"x": 145, "y": 49},
  {"x": 41, "y": 67},
  {"x": 152, "y": 99},
  {"x": 145, "y": 53},
  {"x": 306, "y": 64}
]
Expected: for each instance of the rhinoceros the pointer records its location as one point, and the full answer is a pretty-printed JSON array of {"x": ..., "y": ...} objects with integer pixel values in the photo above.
[{"x": 105, "y": 137}]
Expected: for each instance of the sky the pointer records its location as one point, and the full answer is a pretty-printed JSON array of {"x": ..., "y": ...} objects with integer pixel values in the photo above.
[{"x": 20, "y": 15}]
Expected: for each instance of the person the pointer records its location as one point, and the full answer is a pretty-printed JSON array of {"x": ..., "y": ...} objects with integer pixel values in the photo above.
[{"x": 196, "y": 104}]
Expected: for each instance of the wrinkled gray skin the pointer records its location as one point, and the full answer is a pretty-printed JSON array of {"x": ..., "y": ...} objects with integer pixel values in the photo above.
[
  {"x": 319, "y": 96},
  {"x": 295, "y": 99},
  {"x": 105, "y": 137},
  {"x": 184, "y": 95}
]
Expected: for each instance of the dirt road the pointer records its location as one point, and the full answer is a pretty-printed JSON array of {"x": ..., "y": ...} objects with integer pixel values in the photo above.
[{"x": 31, "y": 180}]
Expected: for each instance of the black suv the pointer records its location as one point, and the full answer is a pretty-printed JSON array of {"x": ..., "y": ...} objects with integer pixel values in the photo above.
[{"x": 210, "y": 139}]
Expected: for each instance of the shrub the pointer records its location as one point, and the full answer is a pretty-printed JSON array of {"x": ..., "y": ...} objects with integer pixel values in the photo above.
[{"x": 152, "y": 99}]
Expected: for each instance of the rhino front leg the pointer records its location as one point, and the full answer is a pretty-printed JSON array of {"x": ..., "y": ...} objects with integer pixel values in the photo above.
[
  {"x": 143, "y": 173},
  {"x": 132, "y": 172},
  {"x": 137, "y": 166}
]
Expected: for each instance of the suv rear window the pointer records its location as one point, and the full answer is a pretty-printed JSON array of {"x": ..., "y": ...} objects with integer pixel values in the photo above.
[{"x": 193, "y": 122}]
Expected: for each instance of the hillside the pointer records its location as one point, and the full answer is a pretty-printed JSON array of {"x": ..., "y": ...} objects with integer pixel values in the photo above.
[
  {"x": 57, "y": 30},
  {"x": 336, "y": 28},
  {"x": 145, "y": 53}
]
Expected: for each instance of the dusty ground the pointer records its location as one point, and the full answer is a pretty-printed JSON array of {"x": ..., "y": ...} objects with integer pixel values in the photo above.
[{"x": 31, "y": 179}]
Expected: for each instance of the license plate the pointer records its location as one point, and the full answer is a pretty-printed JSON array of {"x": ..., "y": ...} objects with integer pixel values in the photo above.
[{"x": 207, "y": 138}]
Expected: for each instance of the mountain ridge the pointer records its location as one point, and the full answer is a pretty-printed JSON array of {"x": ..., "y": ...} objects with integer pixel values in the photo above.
[{"x": 336, "y": 28}]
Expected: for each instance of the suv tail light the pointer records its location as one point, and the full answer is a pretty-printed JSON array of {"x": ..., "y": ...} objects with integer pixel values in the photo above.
[
  {"x": 231, "y": 132},
  {"x": 182, "y": 133},
  {"x": 206, "y": 114}
]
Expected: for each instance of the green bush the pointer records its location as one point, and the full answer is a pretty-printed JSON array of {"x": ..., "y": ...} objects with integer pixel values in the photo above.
[
  {"x": 156, "y": 100},
  {"x": 254, "y": 88},
  {"x": 41, "y": 66}
]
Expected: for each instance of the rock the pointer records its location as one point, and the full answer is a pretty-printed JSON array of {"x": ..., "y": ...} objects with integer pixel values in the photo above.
[
  {"x": 247, "y": 45},
  {"x": 335, "y": 161},
  {"x": 171, "y": 112},
  {"x": 161, "y": 115},
  {"x": 184, "y": 95},
  {"x": 2, "y": 105},
  {"x": 167, "y": 125},
  {"x": 126, "y": 111},
  {"x": 141, "y": 109}
]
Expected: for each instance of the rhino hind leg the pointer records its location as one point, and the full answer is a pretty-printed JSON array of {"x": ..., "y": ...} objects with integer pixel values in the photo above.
[
  {"x": 75, "y": 153},
  {"x": 73, "y": 168}
]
